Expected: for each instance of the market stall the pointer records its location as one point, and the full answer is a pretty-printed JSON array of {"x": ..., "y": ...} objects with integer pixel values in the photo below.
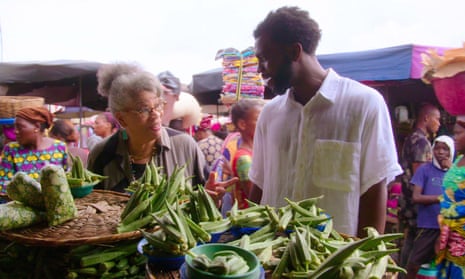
[{"x": 165, "y": 225}]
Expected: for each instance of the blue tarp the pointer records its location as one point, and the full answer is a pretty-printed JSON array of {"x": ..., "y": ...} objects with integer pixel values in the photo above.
[{"x": 392, "y": 63}]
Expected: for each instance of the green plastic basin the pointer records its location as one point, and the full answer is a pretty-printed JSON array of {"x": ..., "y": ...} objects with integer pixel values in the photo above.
[{"x": 210, "y": 249}]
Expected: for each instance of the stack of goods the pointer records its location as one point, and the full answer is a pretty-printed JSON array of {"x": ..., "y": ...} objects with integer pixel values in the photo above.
[{"x": 240, "y": 76}]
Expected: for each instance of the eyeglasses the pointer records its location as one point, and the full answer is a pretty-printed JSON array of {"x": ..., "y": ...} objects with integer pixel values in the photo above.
[{"x": 146, "y": 111}]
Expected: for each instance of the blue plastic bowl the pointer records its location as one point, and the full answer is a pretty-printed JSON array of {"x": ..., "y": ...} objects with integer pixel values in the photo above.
[
  {"x": 240, "y": 231},
  {"x": 162, "y": 261},
  {"x": 321, "y": 227},
  {"x": 216, "y": 236}
]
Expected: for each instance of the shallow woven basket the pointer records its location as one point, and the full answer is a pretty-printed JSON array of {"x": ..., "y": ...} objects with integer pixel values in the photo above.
[
  {"x": 9, "y": 105},
  {"x": 99, "y": 216}
]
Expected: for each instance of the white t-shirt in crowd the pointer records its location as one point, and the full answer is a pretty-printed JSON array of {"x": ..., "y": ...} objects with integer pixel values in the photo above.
[{"x": 337, "y": 145}]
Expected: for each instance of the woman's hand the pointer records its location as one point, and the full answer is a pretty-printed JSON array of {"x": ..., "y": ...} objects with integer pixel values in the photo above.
[
  {"x": 218, "y": 189},
  {"x": 445, "y": 163}
]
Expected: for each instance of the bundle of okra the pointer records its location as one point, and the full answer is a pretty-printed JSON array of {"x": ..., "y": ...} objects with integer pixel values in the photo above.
[
  {"x": 294, "y": 241},
  {"x": 298, "y": 241},
  {"x": 150, "y": 194}
]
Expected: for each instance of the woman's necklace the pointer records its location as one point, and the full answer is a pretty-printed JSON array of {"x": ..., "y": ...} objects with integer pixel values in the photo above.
[{"x": 137, "y": 169}]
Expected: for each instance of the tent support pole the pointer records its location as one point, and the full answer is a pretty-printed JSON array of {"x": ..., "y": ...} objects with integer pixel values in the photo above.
[{"x": 80, "y": 111}]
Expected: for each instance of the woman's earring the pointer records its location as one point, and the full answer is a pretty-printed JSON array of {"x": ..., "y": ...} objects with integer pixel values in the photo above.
[{"x": 36, "y": 130}]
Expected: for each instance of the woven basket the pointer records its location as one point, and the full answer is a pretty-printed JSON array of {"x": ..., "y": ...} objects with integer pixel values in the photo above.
[
  {"x": 99, "y": 216},
  {"x": 9, "y": 105}
]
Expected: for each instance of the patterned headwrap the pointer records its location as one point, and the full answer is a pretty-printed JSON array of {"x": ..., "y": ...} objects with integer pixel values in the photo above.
[
  {"x": 36, "y": 115},
  {"x": 206, "y": 122}
]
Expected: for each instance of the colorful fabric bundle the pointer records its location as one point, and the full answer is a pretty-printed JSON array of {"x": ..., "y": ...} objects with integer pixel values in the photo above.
[{"x": 240, "y": 76}]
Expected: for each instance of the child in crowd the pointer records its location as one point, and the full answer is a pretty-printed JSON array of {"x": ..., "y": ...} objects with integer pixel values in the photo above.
[{"x": 244, "y": 115}]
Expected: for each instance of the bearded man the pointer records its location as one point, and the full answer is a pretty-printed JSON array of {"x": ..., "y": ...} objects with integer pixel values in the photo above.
[{"x": 323, "y": 134}]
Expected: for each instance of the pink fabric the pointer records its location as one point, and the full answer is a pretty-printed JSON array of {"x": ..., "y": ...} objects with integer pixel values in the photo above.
[
  {"x": 206, "y": 122},
  {"x": 454, "y": 241},
  {"x": 456, "y": 245},
  {"x": 396, "y": 188},
  {"x": 443, "y": 237},
  {"x": 216, "y": 127},
  {"x": 9, "y": 132},
  {"x": 392, "y": 204}
]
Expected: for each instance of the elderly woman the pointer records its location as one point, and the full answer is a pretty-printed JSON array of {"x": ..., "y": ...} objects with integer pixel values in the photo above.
[
  {"x": 32, "y": 150},
  {"x": 134, "y": 98}
]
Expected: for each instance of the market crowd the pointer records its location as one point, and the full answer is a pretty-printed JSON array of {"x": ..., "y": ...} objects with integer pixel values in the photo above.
[{"x": 321, "y": 135}]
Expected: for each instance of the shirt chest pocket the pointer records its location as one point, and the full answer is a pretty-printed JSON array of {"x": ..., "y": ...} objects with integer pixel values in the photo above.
[{"x": 336, "y": 165}]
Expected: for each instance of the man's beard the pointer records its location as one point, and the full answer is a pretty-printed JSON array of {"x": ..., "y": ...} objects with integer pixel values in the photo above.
[{"x": 282, "y": 80}]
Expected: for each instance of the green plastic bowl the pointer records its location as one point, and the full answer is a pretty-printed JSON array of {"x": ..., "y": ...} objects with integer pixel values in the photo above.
[
  {"x": 210, "y": 249},
  {"x": 81, "y": 191}
]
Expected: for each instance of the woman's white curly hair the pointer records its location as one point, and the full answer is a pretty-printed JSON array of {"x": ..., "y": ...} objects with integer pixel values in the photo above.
[{"x": 121, "y": 83}]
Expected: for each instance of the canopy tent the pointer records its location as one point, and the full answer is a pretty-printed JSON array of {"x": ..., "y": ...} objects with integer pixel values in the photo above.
[
  {"x": 382, "y": 68},
  {"x": 72, "y": 84},
  {"x": 207, "y": 86},
  {"x": 65, "y": 82}
]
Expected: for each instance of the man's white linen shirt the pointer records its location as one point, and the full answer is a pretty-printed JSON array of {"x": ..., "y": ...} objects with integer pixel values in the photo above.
[{"x": 338, "y": 145}]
